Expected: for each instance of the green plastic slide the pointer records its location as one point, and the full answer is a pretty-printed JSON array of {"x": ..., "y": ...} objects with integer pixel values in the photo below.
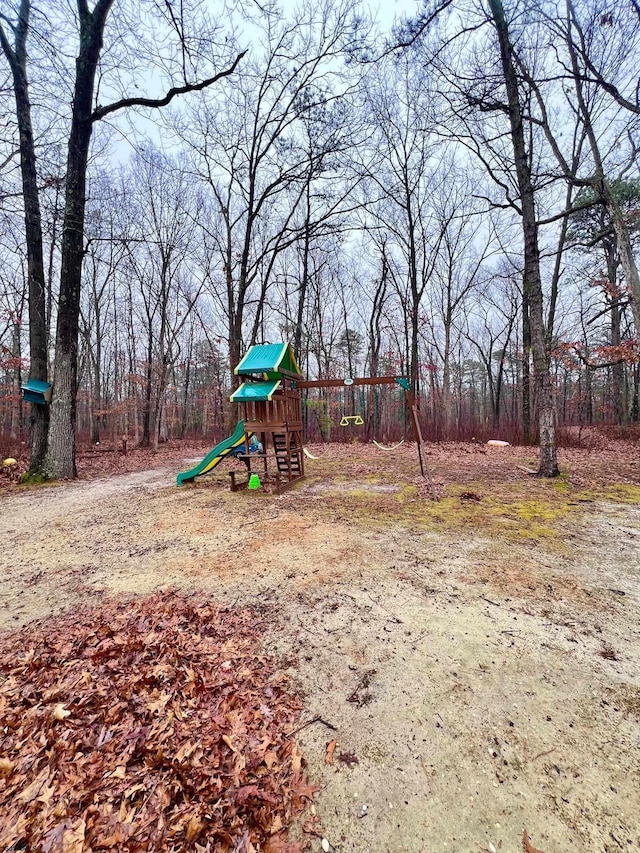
[{"x": 219, "y": 452}]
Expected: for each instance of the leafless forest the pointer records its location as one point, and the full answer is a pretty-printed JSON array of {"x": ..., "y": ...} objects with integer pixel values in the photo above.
[{"x": 452, "y": 196}]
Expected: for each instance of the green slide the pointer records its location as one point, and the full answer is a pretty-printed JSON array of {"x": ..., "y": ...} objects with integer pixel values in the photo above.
[{"x": 219, "y": 452}]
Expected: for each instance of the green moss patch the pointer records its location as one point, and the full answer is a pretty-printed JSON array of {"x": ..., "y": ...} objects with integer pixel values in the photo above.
[{"x": 528, "y": 510}]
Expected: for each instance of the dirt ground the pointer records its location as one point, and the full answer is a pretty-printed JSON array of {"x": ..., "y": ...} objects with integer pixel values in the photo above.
[{"x": 477, "y": 659}]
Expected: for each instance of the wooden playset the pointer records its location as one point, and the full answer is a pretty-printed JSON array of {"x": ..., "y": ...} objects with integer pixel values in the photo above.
[{"x": 269, "y": 436}]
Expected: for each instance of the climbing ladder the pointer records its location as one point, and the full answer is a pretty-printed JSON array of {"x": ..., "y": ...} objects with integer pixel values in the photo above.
[{"x": 287, "y": 455}]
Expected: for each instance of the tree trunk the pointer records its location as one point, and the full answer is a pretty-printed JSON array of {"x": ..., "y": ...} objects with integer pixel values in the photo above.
[
  {"x": 617, "y": 371},
  {"x": 375, "y": 343},
  {"x": 60, "y": 459},
  {"x": 184, "y": 419},
  {"x": 588, "y": 395},
  {"x": 446, "y": 370},
  {"x": 627, "y": 260},
  {"x": 38, "y": 354},
  {"x": 526, "y": 367},
  {"x": 146, "y": 410},
  {"x": 304, "y": 283},
  {"x": 602, "y": 186},
  {"x": 62, "y": 440},
  {"x": 635, "y": 397},
  {"x": 16, "y": 402},
  {"x": 96, "y": 363},
  {"x": 532, "y": 284}
]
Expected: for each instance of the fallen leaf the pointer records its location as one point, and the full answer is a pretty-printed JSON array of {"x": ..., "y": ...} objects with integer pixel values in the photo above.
[
  {"x": 73, "y": 838},
  {"x": 296, "y": 759},
  {"x": 348, "y": 758},
  {"x": 32, "y": 790},
  {"x": 16, "y": 832},
  {"x": 328, "y": 757},
  {"x": 194, "y": 828},
  {"x": 6, "y": 766},
  {"x": 311, "y": 826},
  {"x": 185, "y": 751},
  {"x": 134, "y": 789},
  {"x": 279, "y": 844},
  {"x": 52, "y": 841},
  {"x": 60, "y": 809},
  {"x": 306, "y": 791},
  {"x": 114, "y": 840},
  {"x": 60, "y": 713},
  {"x": 45, "y": 794},
  {"x": 159, "y": 704},
  {"x": 246, "y": 792},
  {"x": 270, "y": 758},
  {"x": 527, "y": 845},
  {"x": 226, "y": 739},
  {"x": 276, "y": 825}
]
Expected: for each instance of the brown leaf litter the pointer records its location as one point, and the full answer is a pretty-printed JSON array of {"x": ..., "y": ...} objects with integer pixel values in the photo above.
[{"x": 147, "y": 725}]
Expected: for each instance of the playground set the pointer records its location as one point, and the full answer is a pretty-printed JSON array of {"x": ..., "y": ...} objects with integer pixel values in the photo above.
[{"x": 269, "y": 436}]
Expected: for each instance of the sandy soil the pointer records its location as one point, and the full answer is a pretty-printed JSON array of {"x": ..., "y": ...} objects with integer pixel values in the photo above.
[{"x": 477, "y": 660}]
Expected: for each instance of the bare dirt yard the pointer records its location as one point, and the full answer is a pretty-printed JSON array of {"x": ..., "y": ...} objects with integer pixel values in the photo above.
[{"x": 477, "y": 660}]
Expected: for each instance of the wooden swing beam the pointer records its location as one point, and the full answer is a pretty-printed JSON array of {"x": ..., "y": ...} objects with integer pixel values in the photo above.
[{"x": 340, "y": 383}]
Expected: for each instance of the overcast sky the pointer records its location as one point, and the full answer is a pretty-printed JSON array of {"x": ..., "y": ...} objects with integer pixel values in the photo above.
[{"x": 385, "y": 11}]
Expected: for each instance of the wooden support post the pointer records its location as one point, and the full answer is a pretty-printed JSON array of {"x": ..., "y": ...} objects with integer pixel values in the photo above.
[
  {"x": 424, "y": 470},
  {"x": 237, "y": 487},
  {"x": 284, "y": 485}
]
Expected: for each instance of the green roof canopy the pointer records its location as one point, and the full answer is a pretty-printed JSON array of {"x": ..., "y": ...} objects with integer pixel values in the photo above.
[
  {"x": 255, "y": 391},
  {"x": 271, "y": 360}
]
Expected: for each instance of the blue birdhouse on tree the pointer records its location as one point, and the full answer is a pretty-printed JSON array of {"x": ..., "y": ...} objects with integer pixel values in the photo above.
[{"x": 36, "y": 391}]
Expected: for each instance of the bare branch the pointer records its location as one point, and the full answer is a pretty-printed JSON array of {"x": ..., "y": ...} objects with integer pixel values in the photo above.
[
  {"x": 576, "y": 209},
  {"x": 608, "y": 87},
  {"x": 155, "y": 103}
]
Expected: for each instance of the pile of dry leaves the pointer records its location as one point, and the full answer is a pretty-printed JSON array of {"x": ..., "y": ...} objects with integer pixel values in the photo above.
[{"x": 148, "y": 725}]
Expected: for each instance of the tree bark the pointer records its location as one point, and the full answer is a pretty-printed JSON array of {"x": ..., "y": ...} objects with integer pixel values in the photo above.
[
  {"x": 146, "y": 410},
  {"x": 635, "y": 396},
  {"x": 526, "y": 366}
]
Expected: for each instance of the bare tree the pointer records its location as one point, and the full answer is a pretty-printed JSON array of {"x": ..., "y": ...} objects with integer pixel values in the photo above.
[
  {"x": 16, "y": 56},
  {"x": 468, "y": 242},
  {"x": 401, "y": 177},
  {"x": 91, "y": 29},
  {"x": 594, "y": 50},
  {"x": 257, "y": 154},
  {"x": 593, "y": 235},
  {"x": 490, "y": 327},
  {"x": 532, "y": 285},
  {"x": 160, "y": 252}
]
